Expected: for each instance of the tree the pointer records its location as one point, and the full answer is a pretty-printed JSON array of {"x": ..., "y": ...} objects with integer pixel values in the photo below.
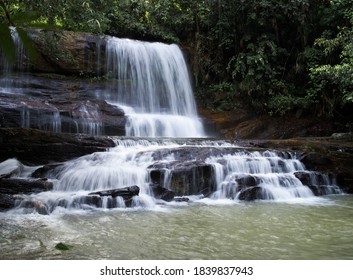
[
  {"x": 331, "y": 70},
  {"x": 80, "y": 15}
]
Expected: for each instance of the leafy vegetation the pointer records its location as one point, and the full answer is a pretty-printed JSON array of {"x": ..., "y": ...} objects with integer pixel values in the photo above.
[{"x": 276, "y": 57}]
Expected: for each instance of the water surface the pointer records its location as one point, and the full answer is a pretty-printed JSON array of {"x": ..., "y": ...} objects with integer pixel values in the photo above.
[{"x": 305, "y": 228}]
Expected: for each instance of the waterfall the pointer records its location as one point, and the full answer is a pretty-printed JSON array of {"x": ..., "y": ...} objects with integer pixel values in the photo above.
[
  {"x": 7, "y": 84},
  {"x": 269, "y": 173},
  {"x": 195, "y": 171},
  {"x": 152, "y": 83}
]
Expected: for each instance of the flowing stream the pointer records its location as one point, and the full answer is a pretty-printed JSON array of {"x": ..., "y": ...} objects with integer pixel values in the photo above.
[
  {"x": 232, "y": 202},
  {"x": 316, "y": 228}
]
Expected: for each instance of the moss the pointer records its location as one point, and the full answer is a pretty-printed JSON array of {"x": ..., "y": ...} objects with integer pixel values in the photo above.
[{"x": 63, "y": 247}]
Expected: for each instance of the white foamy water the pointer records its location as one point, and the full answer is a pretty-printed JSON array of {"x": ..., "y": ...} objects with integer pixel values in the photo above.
[
  {"x": 272, "y": 174},
  {"x": 236, "y": 175}
]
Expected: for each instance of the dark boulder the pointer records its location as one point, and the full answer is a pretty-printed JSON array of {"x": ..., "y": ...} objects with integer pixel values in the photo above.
[
  {"x": 34, "y": 205},
  {"x": 162, "y": 193},
  {"x": 35, "y": 147},
  {"x": 123, "y": 192},
  {"x": 320, "y": 190},
  {"x": 316, "y": 160},
  {"x": 126, "y": 194},
  {"x": 184, "y": 178},
  {"x": 46, "y": 170},
  {"x": 251, "y": 193},
  {"x": 246, "y": 181},
  {"x": 7, "y": 202},
  {"x": 24, "y": 186}
]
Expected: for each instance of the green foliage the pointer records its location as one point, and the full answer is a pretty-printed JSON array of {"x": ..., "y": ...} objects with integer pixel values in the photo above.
[
  {"x": 7, "y": 46},
  {"x": 276, "y": 56},
  {"x": 12, "y": 15},
  {"x": 78, "y": 15},
  {"x": 331, "y": 75}
]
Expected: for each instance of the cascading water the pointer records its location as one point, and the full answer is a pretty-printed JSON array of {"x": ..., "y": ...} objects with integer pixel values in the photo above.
[
  {"x": 267, "y": 175},
  {"x": 7, "y": 84},
  {"x": 34, "y": 113},
  {"x": 195, "y": 171},
  {"x": 153, "y": 87}
]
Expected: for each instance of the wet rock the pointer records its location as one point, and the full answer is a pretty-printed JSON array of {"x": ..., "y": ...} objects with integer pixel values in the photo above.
[
  {"x": 34, "y": 205},
  {"x": 246, "y": 181},
  {"x": 304, "y": 177},
  {"x": 35, "y": 147},
  {"x": 309, "y": 178},
  {"x": 59, "y": 109},
  {"x": 319, "y": 190},
  {"x": 184, "y": 178},
  {"x": 10, "y": 167},
  {"x": 162, "y": 193},
  {"x": 46, "y": 170},
  {"x": 251, "y": 193},
  {"x": 6, "y": 202},
  {"x": 123, "y": 192},
  {"x": 181, "y": 199},
  {"x": 24, "y": 186},
  {"x": 69, "y": 52},
  {"x": 315, "y": 160},
  {"x": 91, "y": 200}
]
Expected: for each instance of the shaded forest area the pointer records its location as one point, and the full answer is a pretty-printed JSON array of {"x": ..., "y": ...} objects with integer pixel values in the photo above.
[{"x": 292, "y": 57}]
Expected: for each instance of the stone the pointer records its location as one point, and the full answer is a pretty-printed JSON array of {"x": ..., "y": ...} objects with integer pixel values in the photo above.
[
  {"x": 36, "y": 147},
  {"x": 251, "y": 193},
  {"x": 315, "y": 160},
  {"x": 24, "y": 186},
  {"x": 320, "y": 190},
  {"x": 124, "y": 192},
  {"x": 38, "y": 206},
  {"x": 184, "y": 177},
  {"x": 46, "y": 170},
  {"x": 6, "y": 202},
  {"x": 162, "y": 193}
]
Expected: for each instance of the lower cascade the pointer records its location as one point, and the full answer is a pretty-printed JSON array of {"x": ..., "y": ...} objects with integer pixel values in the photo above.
[{"x": 145, "y": 173}]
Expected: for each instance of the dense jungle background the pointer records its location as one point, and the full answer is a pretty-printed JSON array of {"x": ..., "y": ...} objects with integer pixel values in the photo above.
[{"x": 274, "y": 58}]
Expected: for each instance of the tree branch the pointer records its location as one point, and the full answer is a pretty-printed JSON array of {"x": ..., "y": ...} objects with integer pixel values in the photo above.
[{"x": 7, "y": 14}]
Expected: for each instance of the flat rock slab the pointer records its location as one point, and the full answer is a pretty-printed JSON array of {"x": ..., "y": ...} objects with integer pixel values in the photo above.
[{"x": 36, "y": 147}]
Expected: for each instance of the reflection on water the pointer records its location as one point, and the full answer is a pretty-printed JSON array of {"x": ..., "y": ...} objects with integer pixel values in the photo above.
[{"x": 317, "y": 228}]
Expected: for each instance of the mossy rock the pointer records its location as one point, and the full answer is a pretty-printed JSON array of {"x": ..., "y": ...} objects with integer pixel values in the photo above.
[{"x": 63, "y": 247}]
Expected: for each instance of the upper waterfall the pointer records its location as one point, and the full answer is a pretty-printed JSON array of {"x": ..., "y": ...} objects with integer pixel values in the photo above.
[{"x": 153, "y": 87}]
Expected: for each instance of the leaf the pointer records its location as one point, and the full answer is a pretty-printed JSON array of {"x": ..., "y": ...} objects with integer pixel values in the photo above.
[
  {"x": 27, "y": 43},
  {"x": 7, "y": 46}
]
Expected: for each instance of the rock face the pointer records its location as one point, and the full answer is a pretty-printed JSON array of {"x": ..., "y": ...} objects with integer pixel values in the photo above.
[
  {"x": 59, "y": 104},
  {"x": 127, "y": 192},
  {"x": 190, "y": 178},
  {"x": 12, "y": 189},
  {"x": 24, "y": 186},
  {"x": 245, "y": 124},
  {"x": 35, "y": 147},
  {"x": 74, "y": 53},
  {"x": 58, "y": 91}
]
